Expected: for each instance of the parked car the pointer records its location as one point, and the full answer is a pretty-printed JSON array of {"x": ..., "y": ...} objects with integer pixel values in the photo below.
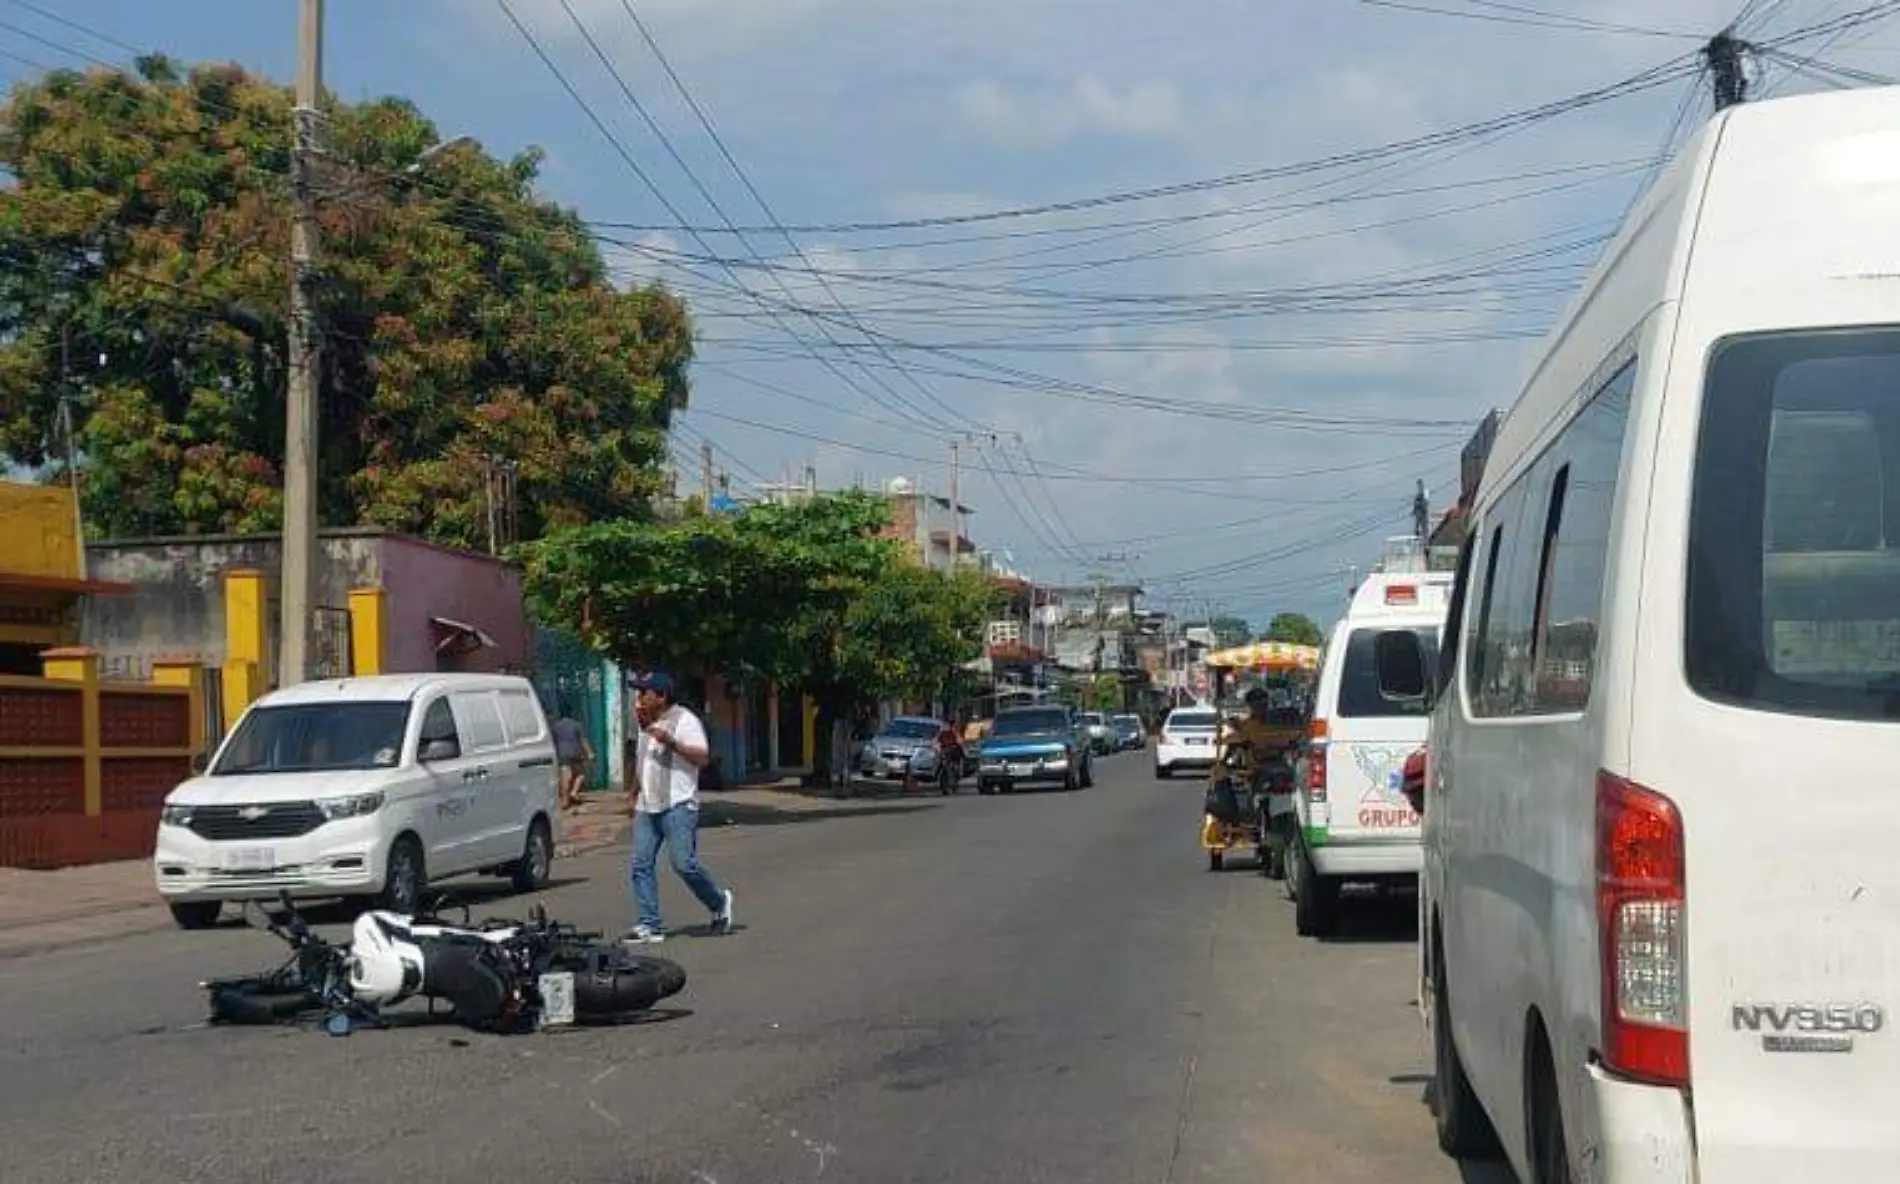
[
  {"x": 1035, "y": 746},
  {"x": 1101, "y": 734},
  {"x": 1657, "y": 924},
  {"x": 1129, "y": 732},
  {"x": 908, "y": 746},
  {"x": 364, "y": 787},
  {"x": 1186, "y": 742}
]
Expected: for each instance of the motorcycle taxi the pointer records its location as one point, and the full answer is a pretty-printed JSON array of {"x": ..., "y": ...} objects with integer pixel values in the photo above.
[{"x": 1249, "y": 802}]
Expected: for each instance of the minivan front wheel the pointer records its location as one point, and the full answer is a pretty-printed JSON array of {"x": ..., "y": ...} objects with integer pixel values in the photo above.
[{"x": 404, "y": 882}]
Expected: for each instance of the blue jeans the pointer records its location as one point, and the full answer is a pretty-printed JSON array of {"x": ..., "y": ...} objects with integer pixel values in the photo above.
[{"x": 678, "y": 828}]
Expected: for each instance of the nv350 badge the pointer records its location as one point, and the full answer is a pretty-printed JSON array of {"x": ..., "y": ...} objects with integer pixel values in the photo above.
[{"x": 1807, "y": 1027}]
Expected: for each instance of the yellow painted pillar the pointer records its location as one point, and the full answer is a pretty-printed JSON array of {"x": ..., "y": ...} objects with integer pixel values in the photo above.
[
  {"x": 811, "y": 731},
  {"x": 246, "y": 638},
  {"x": 77, "y": 664},
  {"x": 369, "y": 630},
  {"x": 187, "y": 673}
]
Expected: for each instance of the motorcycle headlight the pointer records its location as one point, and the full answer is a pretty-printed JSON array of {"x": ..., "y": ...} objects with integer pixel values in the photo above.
[
  {"x": 170, "y": 815},
  {"x": 353, "y": 806}
]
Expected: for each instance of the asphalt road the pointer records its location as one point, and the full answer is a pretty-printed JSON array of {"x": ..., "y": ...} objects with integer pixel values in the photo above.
[{"x": 1044, "y": 987}]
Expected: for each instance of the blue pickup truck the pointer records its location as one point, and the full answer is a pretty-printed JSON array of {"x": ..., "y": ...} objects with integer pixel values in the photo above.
[{"x": 1035, "y": 746}]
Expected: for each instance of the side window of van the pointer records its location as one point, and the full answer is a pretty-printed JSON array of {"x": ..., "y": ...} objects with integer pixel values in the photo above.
[
  {"x": 479, "y": 721},
  {"x": 438, "y": 724},
  {"x": 520, "y": 717},
  {"x": 1534, "y": 648}
]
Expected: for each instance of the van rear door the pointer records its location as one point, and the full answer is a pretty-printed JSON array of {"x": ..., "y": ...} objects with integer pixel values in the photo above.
[{"x": 1782, "y": 757}]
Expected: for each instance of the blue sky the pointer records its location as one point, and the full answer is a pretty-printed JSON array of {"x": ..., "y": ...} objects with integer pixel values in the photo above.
[{"x": 1234, "y": 387}]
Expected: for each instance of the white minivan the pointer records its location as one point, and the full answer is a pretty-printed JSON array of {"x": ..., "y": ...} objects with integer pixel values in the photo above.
[
  {"x": 1353, "y": 822},
  {"x": 365, "y": 787},
  {"x": 1661, "y": 903}
]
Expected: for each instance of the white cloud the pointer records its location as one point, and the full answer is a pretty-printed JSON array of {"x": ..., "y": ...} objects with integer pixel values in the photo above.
[{"x": 1086, "y": 105}]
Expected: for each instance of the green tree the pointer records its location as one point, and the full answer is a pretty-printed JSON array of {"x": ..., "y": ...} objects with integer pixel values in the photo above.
[
  {"x": 810, "y": 595},
  {"x": 1297, "y": 628},
  {"x": 145, "y": 235},
  {"x": 1229, "y": 630}
]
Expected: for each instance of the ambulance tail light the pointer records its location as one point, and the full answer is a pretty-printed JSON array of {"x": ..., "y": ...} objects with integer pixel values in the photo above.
[
  {"x": 1401, "y": 594},
  {"x": 1316, "y": 761},
  {"x": 1643, "y": 948}
]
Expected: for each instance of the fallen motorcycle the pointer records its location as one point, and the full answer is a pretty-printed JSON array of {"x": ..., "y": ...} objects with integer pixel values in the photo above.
[{"x": 496, "y": 976}]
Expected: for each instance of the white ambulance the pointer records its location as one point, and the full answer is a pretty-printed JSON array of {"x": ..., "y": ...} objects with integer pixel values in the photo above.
[{"x": 1355, "y": 825}]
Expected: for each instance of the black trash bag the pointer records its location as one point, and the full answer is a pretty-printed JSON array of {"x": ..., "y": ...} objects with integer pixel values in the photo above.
[{"x": 1222, "y": 802}]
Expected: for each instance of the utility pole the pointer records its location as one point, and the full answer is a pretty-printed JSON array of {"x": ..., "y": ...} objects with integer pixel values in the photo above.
[
  {"x": 296, "y": 594},
  {"x": 706, "y": 472},
  {"x": 1724, "y": 54},
  {"x": 494, "y": 515},
  {"x": 68, "y": 442},
  {"x": 956, "y": 505}
]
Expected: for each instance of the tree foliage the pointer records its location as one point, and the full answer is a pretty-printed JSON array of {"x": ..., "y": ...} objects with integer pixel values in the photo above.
[
  {"x": 1297, "y": 628},
  {"x": 145, "y": 236},
  {"x": 810, "y": 594},
  {"x": 1230, "y": 630}
]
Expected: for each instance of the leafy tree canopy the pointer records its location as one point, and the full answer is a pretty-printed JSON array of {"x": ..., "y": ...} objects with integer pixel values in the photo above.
[
  {"x": 145, "y": 236},
  {"x": 1229, "y": 630},
  {"x": 810, "y": 594},
  {"x": 1297, "y": 628}
]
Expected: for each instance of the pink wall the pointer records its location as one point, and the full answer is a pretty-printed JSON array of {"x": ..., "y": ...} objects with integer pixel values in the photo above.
[{"x": 424, "y": 581}]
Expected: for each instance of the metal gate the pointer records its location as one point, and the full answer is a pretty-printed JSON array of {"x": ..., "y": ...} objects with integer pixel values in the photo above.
[{"x": 572, "y": 678}]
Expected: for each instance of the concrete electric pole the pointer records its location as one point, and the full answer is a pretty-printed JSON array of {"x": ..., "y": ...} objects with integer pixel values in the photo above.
[
  {"x": 297, "y": 590},
  {"x": 706, "y": 473}
]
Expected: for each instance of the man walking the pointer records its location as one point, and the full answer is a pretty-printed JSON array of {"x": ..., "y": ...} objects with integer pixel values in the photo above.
[{"x": 671, "y": 751}]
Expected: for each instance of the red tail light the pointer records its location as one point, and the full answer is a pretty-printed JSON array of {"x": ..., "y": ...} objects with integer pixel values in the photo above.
[{"x": 1640, "y": 901}]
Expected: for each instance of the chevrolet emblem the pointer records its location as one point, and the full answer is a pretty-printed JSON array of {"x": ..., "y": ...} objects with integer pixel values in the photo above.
[{"x": 253, "y": 813}]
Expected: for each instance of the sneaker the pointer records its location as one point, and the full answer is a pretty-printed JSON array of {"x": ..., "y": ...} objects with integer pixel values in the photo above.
[
  {"x": 644, "y": 935},
  {"x": 722, "y": 920}
]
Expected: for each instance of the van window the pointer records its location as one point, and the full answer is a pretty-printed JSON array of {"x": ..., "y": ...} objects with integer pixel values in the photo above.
[
  {"x": 1359, "y": 695},
  {"x": 1793, "y": 580},
  {"x": 1533, "y": 651},
  {"x": 518, "y": 713},
  {"x": 478, "y": 720},
  {"x": 315, "y": 738}
]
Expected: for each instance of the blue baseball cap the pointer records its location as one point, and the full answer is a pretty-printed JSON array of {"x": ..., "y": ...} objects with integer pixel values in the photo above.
[{"x": 657, "y": 681}]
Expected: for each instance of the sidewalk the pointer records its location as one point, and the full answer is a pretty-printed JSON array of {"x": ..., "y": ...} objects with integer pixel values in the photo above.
[{"x": 45, "y": 910}]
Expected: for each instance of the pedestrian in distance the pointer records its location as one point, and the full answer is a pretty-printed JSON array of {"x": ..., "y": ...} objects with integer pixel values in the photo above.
[
  {"x": 575, "y": 754},
  {"x": 664, "y": 798}
]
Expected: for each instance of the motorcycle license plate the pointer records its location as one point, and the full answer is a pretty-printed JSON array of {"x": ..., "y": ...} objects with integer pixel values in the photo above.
[
  {"x": 557, "y": 999},
  {"x": 248, "y": 859}
]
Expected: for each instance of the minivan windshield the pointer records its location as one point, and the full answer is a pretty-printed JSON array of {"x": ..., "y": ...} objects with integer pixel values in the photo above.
[
  {"x": 1793, "y": 598},
  {"x": 1359, "y": 694},
  {"x": 316, "y": 738},
  {"x": 1024, "y": 723},
  {"x": 1191, "y": 721},
  {"x": 910, "y": 729}
]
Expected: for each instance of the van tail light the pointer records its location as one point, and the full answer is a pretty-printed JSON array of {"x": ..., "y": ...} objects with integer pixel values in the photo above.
[{"x": 1643, "y": 950}]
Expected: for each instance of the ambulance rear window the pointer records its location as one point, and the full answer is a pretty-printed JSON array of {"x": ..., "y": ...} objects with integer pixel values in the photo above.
[{"x": 1359, "y": 695}]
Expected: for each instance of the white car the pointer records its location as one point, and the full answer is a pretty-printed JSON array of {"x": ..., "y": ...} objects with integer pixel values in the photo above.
[
  {"x": 1186, "y": 742},
  {"x": 1660, "y": 913},
  {"x": 1353, "y": 824},
  {"x": 364, "y": 787}
]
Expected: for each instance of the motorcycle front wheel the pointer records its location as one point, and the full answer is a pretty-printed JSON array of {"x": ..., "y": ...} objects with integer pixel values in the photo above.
[{"x": 273, "y": 997}]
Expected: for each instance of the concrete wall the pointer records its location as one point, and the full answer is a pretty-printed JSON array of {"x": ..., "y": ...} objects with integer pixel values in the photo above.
[
  {"x": 423, "y": 580},
  {"x": 178, "y": 607}
]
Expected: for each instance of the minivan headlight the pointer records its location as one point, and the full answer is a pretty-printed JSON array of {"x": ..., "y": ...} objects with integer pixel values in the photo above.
[
  {"x": 353, "y": 806},
  {"x": 170, "y": 815}
]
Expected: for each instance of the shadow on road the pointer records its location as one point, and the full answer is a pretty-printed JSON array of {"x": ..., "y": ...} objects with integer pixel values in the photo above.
[
  {"x": 1470, "y": 1171},
  {"x": 1368, "y": 919},
  {"x": 717, "y": 813}
]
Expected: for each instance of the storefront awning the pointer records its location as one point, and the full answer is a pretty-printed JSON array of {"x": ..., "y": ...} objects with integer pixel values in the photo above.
[{"x": 459, "y": 637}]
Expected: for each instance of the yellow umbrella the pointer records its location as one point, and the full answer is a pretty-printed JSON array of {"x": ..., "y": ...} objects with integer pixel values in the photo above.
[{"x": 1267, "y": 656}]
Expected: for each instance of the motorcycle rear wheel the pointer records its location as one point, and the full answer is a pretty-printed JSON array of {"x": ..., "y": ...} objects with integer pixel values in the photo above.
[{"x": 625, "y": 986}]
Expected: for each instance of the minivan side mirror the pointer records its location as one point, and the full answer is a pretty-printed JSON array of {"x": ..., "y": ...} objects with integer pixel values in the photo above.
[
  {"x": 200, "y": 761},
  {"x": 439, "y": 750},
  {"x": 1400, "y": 658}
]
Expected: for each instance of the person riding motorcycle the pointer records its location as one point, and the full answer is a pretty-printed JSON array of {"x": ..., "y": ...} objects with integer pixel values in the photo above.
[{"x": 1254, "y": 740}]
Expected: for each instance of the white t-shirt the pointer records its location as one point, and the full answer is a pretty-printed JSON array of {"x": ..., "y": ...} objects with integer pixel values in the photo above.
[{"x": 668, "y": 779}]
